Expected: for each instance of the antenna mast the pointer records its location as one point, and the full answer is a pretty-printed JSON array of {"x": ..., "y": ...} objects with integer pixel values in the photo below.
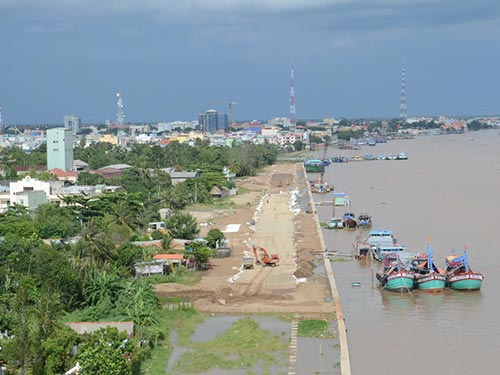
[
  {"x": 1, "y": 121},
  {"x": 292, "y": 99},
  {"x": 402, "y": 107}
]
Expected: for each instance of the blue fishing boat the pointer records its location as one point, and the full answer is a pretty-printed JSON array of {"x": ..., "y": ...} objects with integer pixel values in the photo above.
[
  {"x": 397, "y": 275},
  {"x": 459, "y": 276},
  {"x": 427, "y": 275}
]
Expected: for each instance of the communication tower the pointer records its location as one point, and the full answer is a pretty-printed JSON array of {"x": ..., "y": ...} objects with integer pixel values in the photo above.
[
  {"x": 120, "y": 115},
  {"x": 292, "y": 100},
  {"x": 1, "y": 121},
  {"x": 402, "y": 106}
]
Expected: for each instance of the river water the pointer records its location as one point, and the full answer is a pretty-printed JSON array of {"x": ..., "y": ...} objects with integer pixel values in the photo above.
[{"x": 448, "y": 194}]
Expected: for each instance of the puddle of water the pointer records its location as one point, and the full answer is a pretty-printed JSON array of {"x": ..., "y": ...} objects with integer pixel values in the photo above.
[
  {"x": 212, "y": 327},
  {"x": 177, "y": 352},
  {"x": 317, "y": 356}
]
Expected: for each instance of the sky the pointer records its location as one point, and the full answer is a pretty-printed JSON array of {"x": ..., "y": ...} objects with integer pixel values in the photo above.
[{"x": 172, "y": 59}]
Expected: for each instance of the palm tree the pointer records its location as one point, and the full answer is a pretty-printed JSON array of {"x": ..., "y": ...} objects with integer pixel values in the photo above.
[{"x": 182, "y": 225}]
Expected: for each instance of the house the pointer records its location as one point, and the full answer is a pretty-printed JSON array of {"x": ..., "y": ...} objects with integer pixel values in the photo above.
[
  {"x": 151, "y": 268},
  {"x": 216, "y": 192},
  {"x": 80, "y": 166},
  {"x": 171, "y": 258},
  {"x": 178, "y": 177},
  {"x": 61, "y": 175}
]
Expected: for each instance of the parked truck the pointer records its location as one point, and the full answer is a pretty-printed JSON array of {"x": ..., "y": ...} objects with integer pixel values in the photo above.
[{"x": 248, "y": 261}]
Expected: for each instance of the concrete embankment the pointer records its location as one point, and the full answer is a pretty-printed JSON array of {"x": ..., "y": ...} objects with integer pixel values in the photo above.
[{"x": 345, "y": 366}]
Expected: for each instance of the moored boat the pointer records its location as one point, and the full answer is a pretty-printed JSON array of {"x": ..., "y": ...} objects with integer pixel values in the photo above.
[
  {"x": 336, "y": 223},
  {"x": 364, "y": 220},
  {"x": 314, "y": 165},
  {"x": 459, "y": 276},
  {"x": 381, "y": 250},
  {"x": 397, "y": 275},
  {"x": 349, "y": 220},
  {"x": 376, "y": 237},
  {"x": 427, "y": 275}
]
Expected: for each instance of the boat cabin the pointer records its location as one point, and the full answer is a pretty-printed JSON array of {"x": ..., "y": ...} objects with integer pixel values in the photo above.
[{"x": 376, "y": 237}]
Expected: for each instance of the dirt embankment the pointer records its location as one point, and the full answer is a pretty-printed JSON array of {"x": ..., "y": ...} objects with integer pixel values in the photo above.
[{"x": 266, "y": 220}]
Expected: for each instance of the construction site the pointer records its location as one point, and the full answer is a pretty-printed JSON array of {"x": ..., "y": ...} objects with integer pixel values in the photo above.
[{"x": 276, "y": 245}]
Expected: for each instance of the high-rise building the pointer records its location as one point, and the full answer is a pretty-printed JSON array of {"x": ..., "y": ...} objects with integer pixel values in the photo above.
[
  {"x": 59, "y": 149},
  {"x": 73, "y": 123},
  {"x": 201, "y": 121},
  {"x": 211, "y": 121},
  {"x": 222, "y": 122}
]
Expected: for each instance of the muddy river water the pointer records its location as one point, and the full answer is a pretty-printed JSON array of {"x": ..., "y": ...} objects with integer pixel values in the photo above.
[{"x": 448, "y": 194}]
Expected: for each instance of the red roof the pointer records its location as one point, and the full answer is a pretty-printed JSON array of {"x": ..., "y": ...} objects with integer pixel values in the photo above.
[{"x": 60, "y": 173}]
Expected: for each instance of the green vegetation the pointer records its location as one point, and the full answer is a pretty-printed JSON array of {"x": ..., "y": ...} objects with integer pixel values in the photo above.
[
  {"x": 243, "y": 346},
  {"x": 314, "y": 328},
  {"x": 86, "y": 272},
  {"x": 90, "y": 278}
]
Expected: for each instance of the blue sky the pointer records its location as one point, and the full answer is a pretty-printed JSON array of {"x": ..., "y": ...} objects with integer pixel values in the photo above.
[{"x": 172, "y": 59}]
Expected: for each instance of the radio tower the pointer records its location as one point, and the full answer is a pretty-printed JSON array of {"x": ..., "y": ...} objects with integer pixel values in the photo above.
[
  {"x": 120, "y": 115},
  {"x": 292, "y": 100},
  {"x": 402, "y": 107}
]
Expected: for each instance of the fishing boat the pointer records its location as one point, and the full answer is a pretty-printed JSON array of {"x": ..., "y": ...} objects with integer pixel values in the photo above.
[
  {"x": 459, "y": 276},
  {"x": 349, "y": 220},
  {"x": 364, "y": 220},
  {"x": 376, "y": 237},
  {"x": 381, "y": 250},
  {"x": 427, "y": 275},
  {"x": 397, "y": 275},
  {"x": 314, "y": 165}
]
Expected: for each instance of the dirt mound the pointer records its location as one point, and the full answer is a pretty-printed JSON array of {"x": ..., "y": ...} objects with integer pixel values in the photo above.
[{"x": 305, "y": 269}]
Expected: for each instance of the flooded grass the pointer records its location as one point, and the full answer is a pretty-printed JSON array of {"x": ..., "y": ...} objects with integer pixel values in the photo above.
[
  {"x": 315, "y": 329},
  {"x": 245, "y": 345},
  {"x": 184, "y": 322}
]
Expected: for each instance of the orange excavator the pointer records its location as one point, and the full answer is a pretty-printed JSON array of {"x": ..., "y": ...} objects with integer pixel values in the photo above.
[{"x": 265, "y": 259}]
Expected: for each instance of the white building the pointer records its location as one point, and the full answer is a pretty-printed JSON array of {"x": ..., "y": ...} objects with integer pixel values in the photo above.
[
  {"x": 31, "y": 192},
  {"x": 59, "y": 149},
  {"x": 72, "y": 122}
]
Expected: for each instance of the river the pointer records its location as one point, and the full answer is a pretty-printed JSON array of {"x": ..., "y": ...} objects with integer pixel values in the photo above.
[{"x": 448, "y": 194}]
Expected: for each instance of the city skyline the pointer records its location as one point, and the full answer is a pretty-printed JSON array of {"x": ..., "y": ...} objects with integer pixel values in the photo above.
[{"x": 172, "y": 60}]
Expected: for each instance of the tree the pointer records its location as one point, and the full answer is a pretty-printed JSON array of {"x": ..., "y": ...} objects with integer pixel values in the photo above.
[
  {"x": 214, "y": 236},
  {"x": 53, "y": 221},
  {"x": 106, "y": 352},
  {"x": 182, "y": 225},
  {"x": 57, "y": 350},
  {"x": 201, "y": 254}
]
